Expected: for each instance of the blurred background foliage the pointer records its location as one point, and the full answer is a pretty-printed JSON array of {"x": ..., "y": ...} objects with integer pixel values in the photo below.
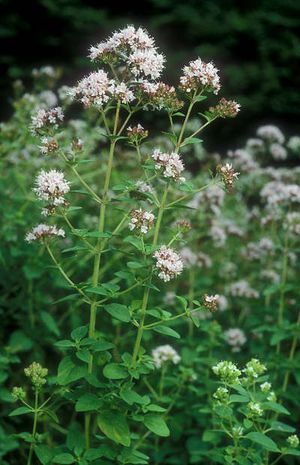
[{"x": 256, "y": 45}]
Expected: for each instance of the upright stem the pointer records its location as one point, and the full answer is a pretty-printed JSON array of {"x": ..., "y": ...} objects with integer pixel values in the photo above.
[
  {"x": 97, "y": 258},
  {"x": 35, "y": 418},
  {"x": 188, "y": 113},
  {"x": 139, "y": 335},
  {"x": 282, "y": 286},
  {"x": 291, "y": 356}
]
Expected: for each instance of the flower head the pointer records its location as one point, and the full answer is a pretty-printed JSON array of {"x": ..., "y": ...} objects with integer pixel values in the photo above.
[
  {"x": 198, "y": 75},
  {"x": 170, "y": 163},
  {"x": 52, "y": 187},
  {"x": 163, "y": 354},
  {"x": 236, "y": 338},
  {"x": 228, "y": 174},
  {"x": 227, "y": 372},
  {"x": 45, "y": 119},
  {"x": 225, "y": 109},
  {"x": 37, "y": 374},
  {"x": 43, "y": 231},
  {"x": 168, "y": 263},
  {"x": 293, "y": 441},
  {"x": 211, "y": 302},
  {"x": 94, "y": 90},
  {"x": 141, "y": 220}
]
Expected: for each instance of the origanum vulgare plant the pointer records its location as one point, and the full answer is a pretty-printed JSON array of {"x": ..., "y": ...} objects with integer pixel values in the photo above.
[{"x": 114, "y": 270}]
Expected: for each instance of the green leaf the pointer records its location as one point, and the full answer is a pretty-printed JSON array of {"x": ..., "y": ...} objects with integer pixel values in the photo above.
[
  {"x": 191, "y": 140},
  {"x": 114, "y": 425},
  {"x": 166, "y": 331},
  {"x": 238, "y": 398},
  {"x": 279, "y": 426},
  {"x": 93, "y": 454},
  {"x": 276, "y": 408},
  {"x": 263, "y": 440},
  {"x": 79, "y": 333},
  {"x": 68, "y": 371},
  {"x": 118, "y": 311},
  {"x": 131, "y": 397},
  {"x": 64, "y": 344},
  {"x": 43, "y": 453},
  {"x": 114, "y": 371},
  {"x": 88, "y": 402},
  {"x": 50, "y": 323},
  {"x": 20, "y": 411},
  {"x": 83, "y": 355},
  {"x": 19, "y": 342},
  {"x": 156, "y": 424},
  {"x": 64, "y": 458}
]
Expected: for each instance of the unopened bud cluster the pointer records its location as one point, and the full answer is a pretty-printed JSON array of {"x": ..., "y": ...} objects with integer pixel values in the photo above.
[{"x": 37, "y": 374}]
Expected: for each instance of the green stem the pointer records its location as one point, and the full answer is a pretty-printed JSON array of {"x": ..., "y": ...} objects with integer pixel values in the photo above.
[
  {"x": 97, "y": 259},
  {"x": 64, "y": 274},
  {"x": 282, "y": 287},
  {"x": 35, "y": 419},
  {"x": 291, "y": 356},
  {"x": 139, "y": 335},
  {"x": 188, "y": 113}
]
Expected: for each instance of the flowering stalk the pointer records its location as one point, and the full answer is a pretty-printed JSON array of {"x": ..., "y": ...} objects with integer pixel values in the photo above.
[
  {"x": 34, "y": 427},
  {"x": 139, "y": 336},
  {"x": 282, "y": 286},
  {"x": 97, "y": 259}
]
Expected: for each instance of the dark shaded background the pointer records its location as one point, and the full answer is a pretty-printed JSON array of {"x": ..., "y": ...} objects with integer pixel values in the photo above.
[{"x": 255, "y": 44}]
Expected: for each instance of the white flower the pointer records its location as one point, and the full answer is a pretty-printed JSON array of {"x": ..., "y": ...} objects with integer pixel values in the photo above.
[
  {"x": 144, "y": 187},
  {"x": 276, "y": 192},
  {"x": 271, "y": 134},
  {"x": 236, "y": 338},
  {"x": 168, "y": 263},
  {"x": 47, "y": 71},
  {"x": 210, "y": 198},
  {"x": 255, "y": 409},
  {"x": 141, "y": 220},
  {"x": 211, "y": 302},
  {"x": 198, "y": 74},
  {"x": 243, "y": 160},
  {"x": 163, "y": 354},
  {"x": 122, "y": 93},
  {"x": 170, "y": 163},
  {"x": 294, "y": 144},
  {"x": 94, "y": 89},
  {"x": 52, "y": 187},
  {"x": 45, "y": 118},
  {"x": 293, "y": 222},
  {"x": 147, "y": 63},
  {"x": 48, "y": 145},
  {"x": 222, "y": 303},
  {"x": 227, "y": 371},
  {"x": 48, "y": 98},
  {"x": 189, "y": 258},
  {"x": 242, "y": 289},
  {"x": 42, "y": 231},
  {"x": 270, "y": 275},
  {"x": 265, "y": 387},
  {"x": 278, "y": 152}
]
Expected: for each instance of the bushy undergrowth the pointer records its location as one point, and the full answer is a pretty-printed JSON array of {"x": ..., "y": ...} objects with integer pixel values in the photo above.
[{"x": 151, "y": 316}]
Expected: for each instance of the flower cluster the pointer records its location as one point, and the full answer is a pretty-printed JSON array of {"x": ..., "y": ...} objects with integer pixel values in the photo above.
[
  {"x": 141, "y": 220},
  {"x": 228, "y": 174},
  {"x": 163, "y": 354},
  {"x": 293, "y": 441},
  {"x": 44, "y": 231},
  {"x": 37, "y": 374},
  {"x": 227, "y": 372},
  {"x": 211, "y": 302},
  {"x": 48, "y": 145},
  {"x": 45, "y": 119},
  {"x": 236, "y": 338},
  {"x": 97, "y": 89},
  {"x": 52, "y": 187},
  {"x": 254, "y": 409},
  {"x": 243, "y": 289},
  {"x": 254, "y": 369},
  {"x": 158, "y": 95},
  {"x": 134, "y": 48},
  {"x": 277, "y": 192},
  {"x": 293, "y": 222},
  {"x": 198, "y": 75},
  {"x": 136, "y": 133},
  {"x": 18, "y": 393},
  {"x": 170, "y": 163},
  {"x": 169, "y": 263},
  {"x": 271, "y": 134},
  {"x": 225, "y": 109}
]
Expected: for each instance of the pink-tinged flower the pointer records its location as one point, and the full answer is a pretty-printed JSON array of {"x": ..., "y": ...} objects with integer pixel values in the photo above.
[
  {"x": 44, "y": 231},
  {"x": 170, "y": 163},
  {"x": 198, "y": 75},
  {"x": 168, "y": 263}
]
